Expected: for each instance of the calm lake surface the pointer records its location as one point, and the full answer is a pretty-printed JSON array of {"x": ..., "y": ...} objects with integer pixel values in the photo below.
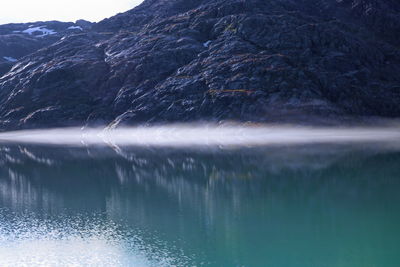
[{"x": 283, "y": 206}]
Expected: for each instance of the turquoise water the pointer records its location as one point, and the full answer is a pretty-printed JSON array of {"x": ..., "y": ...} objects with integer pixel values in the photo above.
[{"x": 283, "y": 206}]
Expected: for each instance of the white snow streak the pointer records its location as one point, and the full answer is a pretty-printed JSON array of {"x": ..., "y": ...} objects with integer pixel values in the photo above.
[
  {"x": 10, "y": 59},
  {"x": 41, "y": 29},
  {"x": 75, "y": 28},
  {"x": 207, "y": 44}
]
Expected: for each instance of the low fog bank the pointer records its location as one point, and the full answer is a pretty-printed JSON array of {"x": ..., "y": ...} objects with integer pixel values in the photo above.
[{"x": 182, "y": 135}]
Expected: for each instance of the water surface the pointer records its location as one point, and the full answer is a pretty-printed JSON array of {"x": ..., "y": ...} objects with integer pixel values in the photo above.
[{"x": 284, "y": 205}]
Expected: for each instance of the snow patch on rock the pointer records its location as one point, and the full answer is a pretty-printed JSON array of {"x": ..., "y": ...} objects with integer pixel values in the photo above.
[
  {"x": 75, "y": 28},
  {"x": 10, "y": 59},
  {"x": 41, "y": 29},
  {"x": 207, "y": 44}
]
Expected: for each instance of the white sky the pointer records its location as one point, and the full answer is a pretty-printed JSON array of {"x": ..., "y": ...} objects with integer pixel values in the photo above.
[{"x": 14, "y": 11}]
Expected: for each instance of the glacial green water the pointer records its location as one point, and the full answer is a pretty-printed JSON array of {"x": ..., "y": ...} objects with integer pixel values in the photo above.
[{"x": 279, "y": 206}]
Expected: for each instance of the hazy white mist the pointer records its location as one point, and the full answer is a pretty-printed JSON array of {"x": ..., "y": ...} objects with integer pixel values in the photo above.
[
  {"x": 184, "y": 135},
  {"x": 15, "y": 11}
]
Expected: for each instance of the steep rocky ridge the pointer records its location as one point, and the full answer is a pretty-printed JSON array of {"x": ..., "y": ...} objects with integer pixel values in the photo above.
[
  {"x": 21, "y": 39},
  {"x": 186, "y": 60}
]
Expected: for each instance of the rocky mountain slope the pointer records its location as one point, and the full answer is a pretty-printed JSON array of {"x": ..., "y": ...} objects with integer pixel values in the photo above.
[
  {"x": 19, "y": 40},
  {"x": 211, "y": 60}
]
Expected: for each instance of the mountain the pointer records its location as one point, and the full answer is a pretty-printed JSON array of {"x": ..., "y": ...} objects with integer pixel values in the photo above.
[
  {"x": 298, "y": 61},
  {"x": 19, "y": 40}
]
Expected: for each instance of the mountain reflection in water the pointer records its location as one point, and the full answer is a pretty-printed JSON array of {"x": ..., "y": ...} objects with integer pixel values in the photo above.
[{"x": 325, "y": 205}]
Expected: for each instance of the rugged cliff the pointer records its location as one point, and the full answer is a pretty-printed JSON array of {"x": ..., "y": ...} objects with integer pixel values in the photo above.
[
  {"x": 19, "y": 40},
  {"x": 211, "y": 60}
]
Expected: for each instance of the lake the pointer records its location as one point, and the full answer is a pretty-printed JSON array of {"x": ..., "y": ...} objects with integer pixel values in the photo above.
[{"x": 298, "y": 205}]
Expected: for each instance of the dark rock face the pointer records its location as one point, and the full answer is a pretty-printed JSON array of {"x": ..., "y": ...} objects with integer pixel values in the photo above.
[
  {"x": 186, "y": 60},
  {"x": 19, "y": 40}
]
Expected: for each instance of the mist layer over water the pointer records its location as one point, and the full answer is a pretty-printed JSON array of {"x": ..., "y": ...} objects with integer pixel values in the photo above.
[{"x": 205, "y": 135}]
